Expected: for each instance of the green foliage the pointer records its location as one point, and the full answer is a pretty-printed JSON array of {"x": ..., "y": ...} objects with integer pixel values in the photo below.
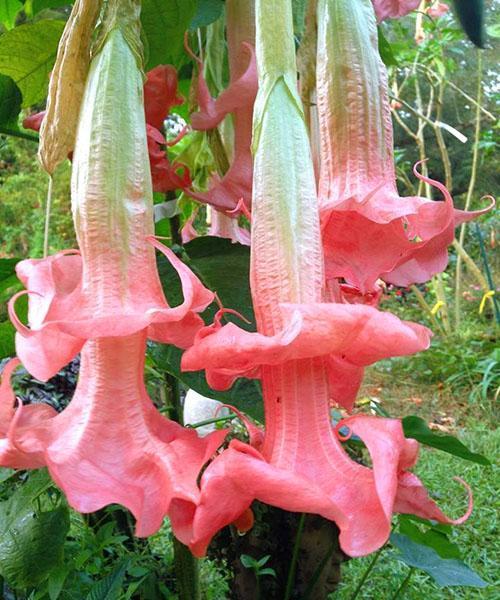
[
  {"x": 27, "y": 54},
  {"x": 8, "y": 12},
  {"x": 207, "y": 12},
  {"x": 445, "y": 571},
  {"x": 10, "y": 102},
  {"x": 110, "y": 587},
  {"x": 164, "y": 23},
  {"x": 417, "y": 428},
  {"x": 31, "y": 538}
]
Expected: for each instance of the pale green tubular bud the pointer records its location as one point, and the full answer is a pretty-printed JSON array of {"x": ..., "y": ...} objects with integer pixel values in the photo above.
[
  {"x": 286, "y": 255},
  {"x": 112, "y": 199}
]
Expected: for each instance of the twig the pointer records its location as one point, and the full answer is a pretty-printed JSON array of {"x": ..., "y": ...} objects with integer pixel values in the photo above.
[
  {"x": 470, "y": 190},
  {"x": 295, "y": 555}
]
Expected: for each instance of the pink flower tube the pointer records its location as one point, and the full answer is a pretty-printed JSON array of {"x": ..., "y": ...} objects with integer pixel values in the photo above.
[
  {"x": 300, "y": 465},
  {"x": 368, "y": 230},
  {"x": 110, "y": 445},
  {"x": 238, "y": 99}
]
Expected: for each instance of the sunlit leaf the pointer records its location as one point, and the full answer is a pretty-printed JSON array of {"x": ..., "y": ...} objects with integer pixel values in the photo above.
[
  {"x": 416, "y": 428},
  {"x": 164, "y": 23},
  {"x": 27, "y": 55}
]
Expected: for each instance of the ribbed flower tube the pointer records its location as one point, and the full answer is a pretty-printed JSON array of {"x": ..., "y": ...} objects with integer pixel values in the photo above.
[
  {"x": 368, "y": 230},
  {"x": 110, "y": 445},
  {"x": 111, "y": 286},
  {"x": 300, "y": 465}
]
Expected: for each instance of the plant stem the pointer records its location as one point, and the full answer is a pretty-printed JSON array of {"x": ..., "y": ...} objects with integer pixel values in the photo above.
[
  {"x": 404, "y": 585},
  {"x": 428, "y": 310},
  {"x": 295, "y": 555},
  {"x": 187, "y": 572},
  {"x": 210, "y": 421},
  {"x": 185, "y": 564},
  {"x": 19, "y": 134},
  {"x": 317, "y": 573},
  {"x": 48, "y": 207},
  {"x": 366, "y": 573},
  {"x": 470, "y": 190},
  {"x": 489, "y": 276}
]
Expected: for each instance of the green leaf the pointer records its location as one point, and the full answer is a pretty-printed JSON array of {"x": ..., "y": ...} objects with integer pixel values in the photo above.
[
  {"x": 245, "y": 394},
  {"x": 445, "y": 572},
  {"x": 7, "y": 340},
  {"x": 27, "y": 54},
  {"x": 493, "y": 30},
  {"x": 110, "y": 587},
  {"x": 213, "y": 259},
  {"x": 385, "y": 50},
  {"x": 7, "y": 265},
  {"x": 10, "y": 103},
  {"x": 56, "y": 581},
  {"x": 39, "y": 5},
  {"x": 31, "y": 542},
  {"x": 8, "y": 12},
  {"x": 207, "y": 12},
  {"x": 416, "y": 428},
  {"x": 471, "y": 16},
  {"x": 432, "y": 538},
  {"x": 164, "y": 23},
  {"x": 248, "y": 562}
]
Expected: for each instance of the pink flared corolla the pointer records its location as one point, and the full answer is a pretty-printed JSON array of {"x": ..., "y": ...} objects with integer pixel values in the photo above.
[
  {"x": 300, "y": 464},
  {"x": 15, "y": 421},
  {"x": 110, "y": 445},
  {"x": 368, "y": 230},
  {"x": 341, "y": 333},
  {"x": 238, "y": 99},
  {"x": 385, "y": 9},
  {"x": 112, "y": 288}
]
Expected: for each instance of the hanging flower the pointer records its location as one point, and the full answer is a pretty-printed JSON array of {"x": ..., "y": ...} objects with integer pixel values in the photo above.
[
  {"x": 110, "y": 445},
  {"x": 238, "y": 99},
  {"x": 385, "y": 9},
  {"x": 111, "y": 286},
  {"x": 300, "y": 465},
  {"x": 369, "y": 231}
]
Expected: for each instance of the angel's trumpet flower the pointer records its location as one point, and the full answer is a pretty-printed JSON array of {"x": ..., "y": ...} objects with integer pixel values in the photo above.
[
  {"x": 385, "y": 9},
  {"x": 226, "y": 193},
  {"x": 110, "y": 444},
  {"x": 110, "y": 287},
  {"x": 369, "y": 231},
  {"x": 300, "y": 465}
]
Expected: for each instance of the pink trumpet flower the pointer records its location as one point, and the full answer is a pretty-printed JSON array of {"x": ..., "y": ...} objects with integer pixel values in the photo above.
[
  {"x": 112, "y": 289},
  {"x": 110, "y": 444},
  {"x": 238, "y": 99},
  {"x": 300, "y": 465},
  {"x": 385, "y": 9},
  {"x": 369, "y": 231}
]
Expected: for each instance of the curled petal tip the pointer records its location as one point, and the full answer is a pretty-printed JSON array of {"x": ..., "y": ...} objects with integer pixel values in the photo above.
[
  {"x": 470, "y": 504},
  {"x": 21, "y": 328}
]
